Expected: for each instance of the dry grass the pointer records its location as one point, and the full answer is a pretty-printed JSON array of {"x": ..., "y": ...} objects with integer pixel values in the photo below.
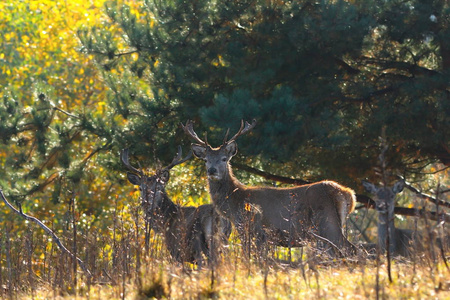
[
  {"x": 32, "y": 267},
  {"x": 237, "y": 278}
]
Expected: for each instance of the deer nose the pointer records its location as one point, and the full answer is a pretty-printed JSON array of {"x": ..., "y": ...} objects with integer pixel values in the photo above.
[{"x": 212, "y": 171}]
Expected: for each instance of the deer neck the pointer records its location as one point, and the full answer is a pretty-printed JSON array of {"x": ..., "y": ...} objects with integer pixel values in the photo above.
[
  {"x": 167, "y": 208},
  {"x": 162, "y": 215},
  {"x": 386, "y": 226},
  {"x": 224, "y": 193}
]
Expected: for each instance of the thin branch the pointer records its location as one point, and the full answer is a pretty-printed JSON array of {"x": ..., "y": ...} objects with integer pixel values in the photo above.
[
  {"x": 422, "y": 213},
  {"x": 48, "y": 231},
  {"x": 94, "y": 152},
  {"x": 65, "y": 112},
  {"x": 270, "y": 176},
  {"x": 362, "y": 231},
  {"x": 119, "y": 54},
  {"x": 336, "y": 248},
  {"x": 425, "y": 196},
  {"x": 444, "y": 191},
  {"x": 405, "y": 211}
]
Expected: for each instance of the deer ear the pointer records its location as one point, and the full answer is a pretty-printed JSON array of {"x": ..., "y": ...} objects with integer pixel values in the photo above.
[
  {"x": 133, "y": 178},
  {"x": 231, "y": 148},
  {"x": 199, "y": 151},
  {"x": 398, "y": 186},
  {"x": 370, "y": 187},
  {"x": 165, "y": 176}
]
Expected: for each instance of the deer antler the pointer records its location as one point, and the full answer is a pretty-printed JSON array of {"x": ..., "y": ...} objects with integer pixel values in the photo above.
[
  {"x": 226, "y": 136},
  {"x": 243, "y": 130},
  {"x": 189, "y": 130},
  {"x": 125, "y": 161},
  {"x": 177, "y": 159}
]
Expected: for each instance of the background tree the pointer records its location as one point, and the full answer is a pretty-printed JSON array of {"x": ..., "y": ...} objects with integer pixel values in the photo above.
[
  {"x": 59, "y": 141},
  {"x": 54, "y": 136},
  {"x": 322, "y": 79}
]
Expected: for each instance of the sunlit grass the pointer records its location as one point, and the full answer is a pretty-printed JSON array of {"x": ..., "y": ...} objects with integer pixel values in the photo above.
[
  {"x": 124, "y": 270},
  {"x": 236, "y": 278}
]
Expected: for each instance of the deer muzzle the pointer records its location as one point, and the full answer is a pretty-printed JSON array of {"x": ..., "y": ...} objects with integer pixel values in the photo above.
[
  {"x": 213, "y": 174},
  {"x": 212, "y": 171}
]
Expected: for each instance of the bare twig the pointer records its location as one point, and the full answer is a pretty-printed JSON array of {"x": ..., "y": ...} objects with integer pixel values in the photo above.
[
  {"x": 336, "y": 248},
  {"x": 65, "y": 112},
  {"x": 382, "y": 161},
  {"x": 48, "y": 231},
  {"x": 430, "y": 198},
  {"x": 362, "y": 231}
]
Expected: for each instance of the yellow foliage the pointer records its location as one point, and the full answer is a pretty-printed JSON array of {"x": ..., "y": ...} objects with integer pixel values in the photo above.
[
  {"x": 40, "y": 46},
  {"x": 39, "y": 39}
]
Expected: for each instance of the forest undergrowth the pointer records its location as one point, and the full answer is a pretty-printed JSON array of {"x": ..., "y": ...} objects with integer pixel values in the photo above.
[{"x": 127, "y": 265}]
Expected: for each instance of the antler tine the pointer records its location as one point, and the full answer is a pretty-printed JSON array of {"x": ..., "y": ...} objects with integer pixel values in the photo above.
[
  {"x": 125, "y": 161},
  {"x": 177, "y": 159},
  {"x": 226, "y": 136},
  {"x": 189, "y": 130},
  {"x": 179, "y": 154},
  {"x": 243, "y": 130}
]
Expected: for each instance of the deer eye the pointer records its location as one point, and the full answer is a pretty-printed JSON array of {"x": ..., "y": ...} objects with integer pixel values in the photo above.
[{"x": 224, "y": 158}]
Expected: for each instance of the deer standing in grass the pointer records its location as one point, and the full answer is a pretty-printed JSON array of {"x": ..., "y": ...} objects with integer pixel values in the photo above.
[
  {"x": 190, "y": 232},
  {"x": 401, "y": 241},
  {"x": 289, "y": 216}
]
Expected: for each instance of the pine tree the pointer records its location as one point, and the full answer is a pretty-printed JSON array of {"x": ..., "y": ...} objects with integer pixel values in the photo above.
[{"x": 322, "y": 78}]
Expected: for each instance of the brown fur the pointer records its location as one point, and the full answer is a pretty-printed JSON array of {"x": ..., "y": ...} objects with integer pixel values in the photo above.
[{"x": 289, "y": 216}]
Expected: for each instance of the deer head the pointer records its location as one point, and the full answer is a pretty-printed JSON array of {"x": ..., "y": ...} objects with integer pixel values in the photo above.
[
  {"x": 216, "y": 159},
  {"x": 152, "y": 188},
  {"x": 384, "y": 196}
]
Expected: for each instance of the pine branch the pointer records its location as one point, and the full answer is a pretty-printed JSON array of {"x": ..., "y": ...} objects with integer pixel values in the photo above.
[{"x": 426, "y": 196}]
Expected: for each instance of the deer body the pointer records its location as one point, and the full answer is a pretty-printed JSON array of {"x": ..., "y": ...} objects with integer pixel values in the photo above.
[
  {"x": 189, "y": 232},
  {"x": 288, "y": 215},
  {"x": 404, "y": 240}
]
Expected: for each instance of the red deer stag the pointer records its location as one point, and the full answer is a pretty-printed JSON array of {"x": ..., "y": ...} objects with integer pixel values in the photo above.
[
  {"x": 288, "y": 215},
  {"x": 190, "y": 232}
]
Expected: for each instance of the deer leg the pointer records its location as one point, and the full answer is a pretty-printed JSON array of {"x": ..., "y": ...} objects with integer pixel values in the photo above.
[
  {"x": 330, "y": 229},
  {"x": 199, "y": 248},
  {"x": 208, "y": 229}
]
